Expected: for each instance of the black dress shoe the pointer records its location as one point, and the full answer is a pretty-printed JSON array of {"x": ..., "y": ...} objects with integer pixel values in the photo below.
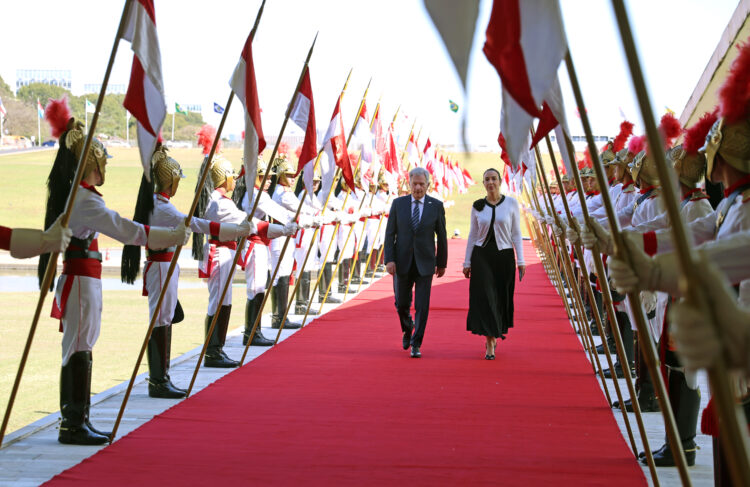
[
  {"x": 406, "y": 339},
  {"x": 415, "y": 353},
  {"x": 220, "y": 361},
  {"x": 165, "y": 390}
]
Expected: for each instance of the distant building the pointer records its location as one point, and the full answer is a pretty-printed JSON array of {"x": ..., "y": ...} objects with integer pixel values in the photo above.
[
  {"x": 53, "y": 77},
  {"x": 112, "y": 89}
]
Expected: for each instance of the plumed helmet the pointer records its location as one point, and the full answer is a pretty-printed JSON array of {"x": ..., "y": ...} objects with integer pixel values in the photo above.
[
  {"x": 730, "y": 134},
  {"x": 262, "y": 167},
  {"x": 643, "y": 166},
  {"x": 607, "y": 155},
  {"x": 587, "y": 172},
  {"x": 166, "y": 170},
  {"x": 690, "y": 168},
  {"x": 382, "y": 181},
  {"x": 97, "y": 156},
  {"x": 283, "y": 169},
  {"x": 623, "y": 157},
  {"x": 221, "y": 170}
]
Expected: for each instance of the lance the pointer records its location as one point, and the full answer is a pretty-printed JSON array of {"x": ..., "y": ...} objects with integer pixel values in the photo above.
[
  {"x": 258, "y": 318},
  {"x": 408, "y": 164},
  {"x": 242, "y": 240},
  {"x": 364, "y": 226},
  {"x": 49, "y": 274},
  {"x": 351, "y": 230},
  {"x": 646, "y": 340},
  {"x": 546, "y": 253},
  {"x": 583, "y": 330},
  {"x": 615, "y": 329},
  {"x": 336, "y": 228},
  {"x": 178, "y": 250},
  {"x": 595, "y": 311},
  {"x": 733, "y": 424}
]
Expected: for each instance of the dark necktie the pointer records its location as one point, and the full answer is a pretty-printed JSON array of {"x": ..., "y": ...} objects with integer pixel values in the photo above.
[{"x": 415, "y": 216}]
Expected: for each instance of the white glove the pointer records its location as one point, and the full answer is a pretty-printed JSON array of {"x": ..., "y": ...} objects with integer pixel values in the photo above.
[
  {"x": 163, "y": 237},
  {"x": 698, "y": 344},
  {"x": 593, "y": 233},
  {"x": 648, "y": 299},
  {"x": 559, "y": 230},
  {"x": 25, "y": 242},
  {"x": 365, "y": 212},
  {"x": 318, "y": 220},
  {"x": 572, "y": 234},
  {"x": 642, "y": 274},
  {"x": 230, "y": 231},
  {"x": 338, "y": 216},
  {"x": 550, "y": 220},
  {"x": 289, "y": 229},
  {"x": 305, "y": 221}
]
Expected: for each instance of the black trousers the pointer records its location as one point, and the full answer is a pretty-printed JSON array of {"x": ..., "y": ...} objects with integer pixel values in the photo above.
[{"x": 402, "y": 289}]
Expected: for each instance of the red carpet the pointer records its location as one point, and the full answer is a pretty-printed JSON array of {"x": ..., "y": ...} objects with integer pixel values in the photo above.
[{"x": 340, "y": 403}]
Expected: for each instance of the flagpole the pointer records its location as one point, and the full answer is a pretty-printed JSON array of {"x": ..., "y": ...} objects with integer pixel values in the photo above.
[
  {"x": 304, "y": 263},
  {"x": 644, "y": 332},
  {"x": 50, "y": 272},
  {"x": 178, "y": 249},
  {"x": 242, "y": 241},
  {"x": 733, "y": 423},
  {"x": 338, "y": 224},
  {"x": 340, "y": 174}
]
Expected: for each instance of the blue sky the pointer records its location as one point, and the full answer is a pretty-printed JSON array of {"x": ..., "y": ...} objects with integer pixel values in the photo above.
[{"x": 392, "y": 41}]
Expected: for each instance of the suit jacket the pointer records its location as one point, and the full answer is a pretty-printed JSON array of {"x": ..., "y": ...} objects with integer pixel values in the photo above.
[{"x": 403, "y": 244}]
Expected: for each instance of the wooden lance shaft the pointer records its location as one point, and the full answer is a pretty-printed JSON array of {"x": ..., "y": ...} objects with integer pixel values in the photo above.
[
  {"x": 644, "y": 332},
  {"x": 336, "y": 228},
  {"x": 609, "y": 304},
  {"x": 178, "y": 250},
  {"x": 595, "y": 310},
  {"x": 242, "y": 241},
  {"x": 49, "y": 273},
  {"x": 333, "y": 183},
  {"x": 733, "y": 422},
  {"x": 259, "y": 316},
  {"x": 377, "y": 232}
]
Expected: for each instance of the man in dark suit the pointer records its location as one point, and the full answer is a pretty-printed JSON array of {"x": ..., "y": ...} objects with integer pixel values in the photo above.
[{"x": 410, "y": 254}]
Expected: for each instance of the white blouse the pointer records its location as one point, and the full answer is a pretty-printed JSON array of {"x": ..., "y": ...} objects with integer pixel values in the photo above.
[{"x": 507, "y": 229}]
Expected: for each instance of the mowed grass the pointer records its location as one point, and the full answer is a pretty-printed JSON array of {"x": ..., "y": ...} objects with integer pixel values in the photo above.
[{"x": 125, "y": 314}]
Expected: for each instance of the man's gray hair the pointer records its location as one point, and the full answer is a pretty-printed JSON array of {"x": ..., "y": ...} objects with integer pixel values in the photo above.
[{"x": 420, "y": 171}]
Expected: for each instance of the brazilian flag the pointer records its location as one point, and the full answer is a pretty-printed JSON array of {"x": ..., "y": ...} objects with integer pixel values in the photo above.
[
  {"x": 453, "y": 105},
  {"x": 178, "y": 109}
]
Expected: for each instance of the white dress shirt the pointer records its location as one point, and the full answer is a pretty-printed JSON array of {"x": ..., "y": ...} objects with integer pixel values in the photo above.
[{"x": 507, "y": 228}]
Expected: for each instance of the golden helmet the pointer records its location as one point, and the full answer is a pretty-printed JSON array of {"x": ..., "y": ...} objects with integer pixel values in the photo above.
[
  {"x": 97, "y": 156},
  {"x": 166, "y": 170},
  {"x": 623, "y": 156},
  {"x": 221, "y": 170},
  {"x": 608, "y": 155},
  {"x": 317, "y": 175},
  {"x": 262, "y": 167},
  {"x": 564, "y": 178},
  {"x": 643, "y": 166},
  {"x": 587, "y": 172},
  {"x": 382, "y": 181},
  {"x": 283, "y": 169},
  {"x": 690, "y": 168},
  {"x": 731, "y": 142}
]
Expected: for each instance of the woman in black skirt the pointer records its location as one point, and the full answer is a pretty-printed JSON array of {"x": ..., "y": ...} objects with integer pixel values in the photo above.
[{"x": 491, "y": 264}]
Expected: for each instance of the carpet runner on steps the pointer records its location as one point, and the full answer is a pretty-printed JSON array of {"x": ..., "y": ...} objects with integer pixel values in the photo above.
[{"x": 342, "y": 403}]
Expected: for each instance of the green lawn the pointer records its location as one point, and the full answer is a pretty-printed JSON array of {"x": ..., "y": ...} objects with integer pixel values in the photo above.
[{"x": 125, "y": 315}]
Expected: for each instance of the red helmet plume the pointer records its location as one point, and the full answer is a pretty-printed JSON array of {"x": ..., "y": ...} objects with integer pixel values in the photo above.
[
  {"x": 626, "y": 130},
  {"x": 636, "y": 144},
  {"x": 669, "y": 128},
  {"x": 57, "y": 114},
  {"x": 695, "y": 136},
  {"x": 283, "y": 150},
  {"x": 734, "y": 94},
  {"x": 206, "y": 136}
]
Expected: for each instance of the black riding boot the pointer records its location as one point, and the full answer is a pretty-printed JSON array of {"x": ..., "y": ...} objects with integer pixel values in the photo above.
[
  {"x": 252, "y": 310},
  {"x": 325, "y": 281},
  {"x": 281, "y": 292},
  {"x": 159, "y": 384},
  {"x": 303, "y": 294},
  {"x": 75, "y": 396},
  {"x": 344, "y": 271},
  {"x": 215, "y": 356},
  {"x": 686, "y": 406}
]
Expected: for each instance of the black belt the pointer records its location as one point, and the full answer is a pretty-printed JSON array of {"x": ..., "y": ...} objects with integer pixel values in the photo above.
[
  {"x": 150, "y": 252},
  {"x": 83, "y": 251}
]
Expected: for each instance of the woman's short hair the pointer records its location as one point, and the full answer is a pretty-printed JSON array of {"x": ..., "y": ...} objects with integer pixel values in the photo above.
[
  {"x": 420, "y": 171},
  {"x": 499, "y": 176}
]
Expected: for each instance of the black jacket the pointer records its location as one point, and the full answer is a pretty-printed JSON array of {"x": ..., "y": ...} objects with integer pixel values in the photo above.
[{"x": 403, "y": 244}]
